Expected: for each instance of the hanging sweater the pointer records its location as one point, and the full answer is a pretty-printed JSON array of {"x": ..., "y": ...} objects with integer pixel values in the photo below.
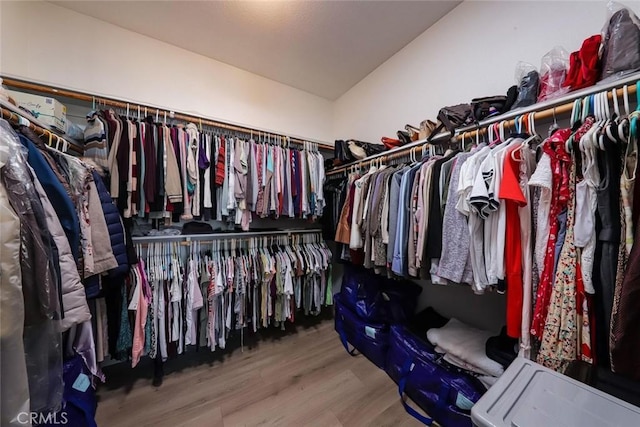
[{"x": 95, "y": 141}]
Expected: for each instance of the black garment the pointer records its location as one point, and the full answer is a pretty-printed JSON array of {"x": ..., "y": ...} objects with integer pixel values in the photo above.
[
  {"x": 502, "y": 348},
  {"x": 150, "y": 157},
  {"x": 112, "y": 292},
  {"x": 428, "y": 318},
  {"x": 158, "y": 143},
  {"x": 608, "y": 227},
  {"x": 625, "y": 340},
  {"x": 334, "y": 193}
]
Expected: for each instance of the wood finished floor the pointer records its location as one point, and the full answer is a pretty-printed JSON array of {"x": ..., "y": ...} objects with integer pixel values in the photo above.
[{"x": 304, "y": 378}]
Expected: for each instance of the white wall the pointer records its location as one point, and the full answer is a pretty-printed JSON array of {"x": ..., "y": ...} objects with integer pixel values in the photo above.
[
  {"x": 471, "y": 52},
  {"x": 43, "y": 42}
]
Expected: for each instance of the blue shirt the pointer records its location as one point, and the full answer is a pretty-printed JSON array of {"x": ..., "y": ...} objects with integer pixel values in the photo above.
[
  {"x": 394, "y": 193},
  {"x": 56, "y": 194},
  {"x": 399, "y": 264}
]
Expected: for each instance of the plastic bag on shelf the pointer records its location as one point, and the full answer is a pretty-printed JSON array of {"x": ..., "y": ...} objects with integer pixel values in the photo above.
[
  {"x": 621, "y": 42},
  {"x": 527, "y": 79},
  {"x": 553, "y": 71},
  {"x": 74, "y": 131}
]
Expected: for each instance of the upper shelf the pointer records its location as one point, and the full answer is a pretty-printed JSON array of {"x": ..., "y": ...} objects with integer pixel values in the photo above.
[{"x": 541, "y": 110}]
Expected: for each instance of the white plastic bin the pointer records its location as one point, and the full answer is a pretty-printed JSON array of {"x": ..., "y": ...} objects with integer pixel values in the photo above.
[{"x": 530, "y": 395}]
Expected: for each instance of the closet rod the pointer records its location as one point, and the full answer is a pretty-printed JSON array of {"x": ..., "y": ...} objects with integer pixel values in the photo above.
[
  {"x": 218, "y": 236},
  {"x": 13, "y": 117},
  {"x": 541, "y": 111},
  {"x": 21, "y": 84}
]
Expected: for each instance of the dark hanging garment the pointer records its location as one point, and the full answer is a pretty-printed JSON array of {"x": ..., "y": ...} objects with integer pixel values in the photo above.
[
  {"x": 178, "y": 207},
  {"x": 625, "y": 333},
  {"x": 150, "y": 164},
  {"x": 608, "y": 228},
  {"x": 203, "y": 166}
]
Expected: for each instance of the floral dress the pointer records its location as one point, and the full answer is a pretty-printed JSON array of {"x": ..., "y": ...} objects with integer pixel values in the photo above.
[{"x": 566, "y": 334}]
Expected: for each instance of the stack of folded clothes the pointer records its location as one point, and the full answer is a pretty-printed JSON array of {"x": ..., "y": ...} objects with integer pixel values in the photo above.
[{"x": 471, "y": 349}]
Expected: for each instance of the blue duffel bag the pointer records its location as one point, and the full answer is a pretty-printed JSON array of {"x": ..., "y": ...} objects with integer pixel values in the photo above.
[
  {"x": 377, "y": 299},
  {"x": 445, "y": 394},
  {"x": 79, "y": 398},
  {"x": 370, "y": 339}
]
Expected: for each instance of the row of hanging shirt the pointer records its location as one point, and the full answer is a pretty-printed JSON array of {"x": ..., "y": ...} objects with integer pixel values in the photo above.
[
  {"x": 552, "y": 226},
  {"x": 173, "y": 301},
  {"x": 180, "y": 172}
]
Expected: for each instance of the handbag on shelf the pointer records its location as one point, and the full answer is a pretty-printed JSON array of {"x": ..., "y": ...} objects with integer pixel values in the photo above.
[
  {"x": 426, "y": 128},
  {"x": 341, "y": 152},
  {"x": 404, "y": 137},
  {"x": 488, "y": 106},
  {"x": 356, "y": 150},
  {"x": 453, "y": 117},
  {"x": 391, "y": 143},
  {"x": 360, "y": 149},
  {"x": 414, "y": 132}
]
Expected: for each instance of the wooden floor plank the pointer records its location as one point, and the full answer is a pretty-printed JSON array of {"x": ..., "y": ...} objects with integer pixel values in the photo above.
[{"x": 299, "y": 379}]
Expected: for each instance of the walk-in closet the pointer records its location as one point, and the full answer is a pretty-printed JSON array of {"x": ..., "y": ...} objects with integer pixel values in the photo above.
[{"x": 327, "y": 213}]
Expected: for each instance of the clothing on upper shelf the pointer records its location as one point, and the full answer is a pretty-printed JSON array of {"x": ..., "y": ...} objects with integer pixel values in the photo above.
[
  {"x": 181, "y": 172},
  {"x": 176, "y": 301},
  {"x": 553, "y": 229}
]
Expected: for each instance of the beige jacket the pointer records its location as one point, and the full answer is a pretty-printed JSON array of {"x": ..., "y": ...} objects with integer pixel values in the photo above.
[{"x": 172, "y": 184}]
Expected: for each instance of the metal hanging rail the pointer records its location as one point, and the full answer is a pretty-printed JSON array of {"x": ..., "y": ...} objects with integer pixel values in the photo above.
[
  {"x": 82, "y": 96},
  {"x": 540, "y": 111},
  {"x": 223, "y": 235}
]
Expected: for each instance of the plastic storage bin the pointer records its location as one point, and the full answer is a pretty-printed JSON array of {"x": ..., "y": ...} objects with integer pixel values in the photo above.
[{"x": 530, "y": 395}]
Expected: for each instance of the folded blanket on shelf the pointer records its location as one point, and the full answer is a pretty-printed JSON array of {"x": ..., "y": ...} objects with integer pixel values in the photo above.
[
  {"x": 456, "y": 361},
  {"x": 466, "y": 345}
]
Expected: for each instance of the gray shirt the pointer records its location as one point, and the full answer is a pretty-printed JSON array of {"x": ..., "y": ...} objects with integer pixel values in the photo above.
[{"x": 455, "y": 264}]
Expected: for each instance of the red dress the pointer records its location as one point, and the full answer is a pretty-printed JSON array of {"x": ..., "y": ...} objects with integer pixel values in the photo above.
[{"x": 514, "y": 198}]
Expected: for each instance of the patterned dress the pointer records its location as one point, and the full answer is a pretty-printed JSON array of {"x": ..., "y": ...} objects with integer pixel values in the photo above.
[{"x": 566, "y": 333}]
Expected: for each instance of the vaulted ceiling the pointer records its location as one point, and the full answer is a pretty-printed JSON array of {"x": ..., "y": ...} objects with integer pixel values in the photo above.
[{"x": 321, "y": 47}]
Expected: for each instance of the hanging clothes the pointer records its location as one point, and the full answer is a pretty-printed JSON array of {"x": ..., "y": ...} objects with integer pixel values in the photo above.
[
  {"x": 219, "y": 290},
  {"x": 550, "y": 231}
]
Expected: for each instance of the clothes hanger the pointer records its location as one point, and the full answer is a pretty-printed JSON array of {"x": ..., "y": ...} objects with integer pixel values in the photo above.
[
  {"x": 576, "y": 112},
  {"x": 533, "y": 136},
  {"x": 490, "y": 130},
  {"x": 603, "y": 112},
  {"x": 613, "y": 125}
]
